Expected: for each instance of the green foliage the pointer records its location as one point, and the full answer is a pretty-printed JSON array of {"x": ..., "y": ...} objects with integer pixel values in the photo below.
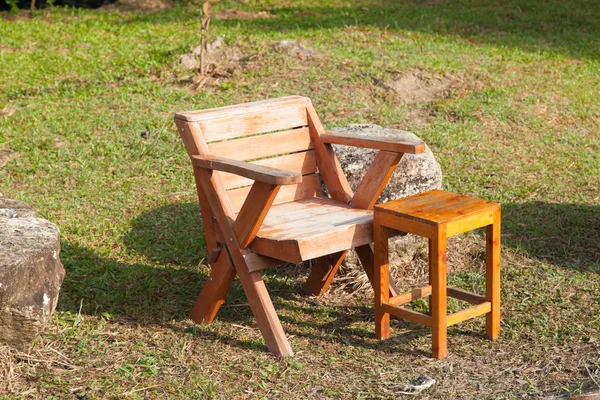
[{"x": 13, "y": 4}]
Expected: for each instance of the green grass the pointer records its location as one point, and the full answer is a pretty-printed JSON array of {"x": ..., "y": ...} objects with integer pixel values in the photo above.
[{"x": 521, "y": 129}]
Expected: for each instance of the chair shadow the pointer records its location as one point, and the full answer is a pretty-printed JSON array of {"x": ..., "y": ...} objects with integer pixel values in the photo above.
[
  {"x": 171, "y": 236},
  {"x": 566, "y": 235},
  {"x": 131, "y": 292},
  {"x": 340, "y": 329},
  {"x": 337, "y": 329},
  {"x": 164, "y": 289}
]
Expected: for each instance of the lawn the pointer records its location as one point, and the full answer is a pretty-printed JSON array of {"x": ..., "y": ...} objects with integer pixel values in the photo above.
[{"x": 87, "y": 139}]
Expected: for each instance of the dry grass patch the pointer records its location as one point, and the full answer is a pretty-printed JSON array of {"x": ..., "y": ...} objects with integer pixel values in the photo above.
[{"x": 234, "y": 13}]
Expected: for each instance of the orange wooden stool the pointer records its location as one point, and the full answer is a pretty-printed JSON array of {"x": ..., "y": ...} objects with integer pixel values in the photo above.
[{"x": 437, "y": 215}]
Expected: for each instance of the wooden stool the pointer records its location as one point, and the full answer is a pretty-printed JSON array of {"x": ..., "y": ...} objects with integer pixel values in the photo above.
[{"x": 437, "y": 215}]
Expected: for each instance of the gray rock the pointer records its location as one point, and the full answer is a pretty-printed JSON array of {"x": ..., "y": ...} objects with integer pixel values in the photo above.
[
  {"x": 30, "y": 274},
  {"x": 415, "y": 174},
  {"x": 293, "y": 48},
  {"x": 189, "y": 61},
  {"x": 211, "y": 47}
]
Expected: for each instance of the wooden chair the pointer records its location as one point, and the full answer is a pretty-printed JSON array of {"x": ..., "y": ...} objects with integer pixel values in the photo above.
[{"x": 257, "y": 168}]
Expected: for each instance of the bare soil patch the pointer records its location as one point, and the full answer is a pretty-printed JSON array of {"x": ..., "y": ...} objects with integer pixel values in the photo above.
[
  {"x": 221, "y": 62},
  {"x": 418, "y": 87},
  {"x": 218, "y": 58},
  {"x": 7, "y": 49},
  {"x": 7, "y": 111},
  {"x": 241, "y": 14},
  {"x": 18, "y": 16}
]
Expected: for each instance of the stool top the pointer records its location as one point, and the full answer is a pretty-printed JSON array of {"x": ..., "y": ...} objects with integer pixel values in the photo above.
[{"x": 436, "y": 206}]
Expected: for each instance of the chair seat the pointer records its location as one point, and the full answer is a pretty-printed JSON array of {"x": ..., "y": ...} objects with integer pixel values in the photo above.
[{"x": 312, "y": 227}]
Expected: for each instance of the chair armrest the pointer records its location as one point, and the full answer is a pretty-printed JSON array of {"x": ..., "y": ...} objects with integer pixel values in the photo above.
[
  {"x": 374, "y": 142},
  {"x": 248, "y": 170}
]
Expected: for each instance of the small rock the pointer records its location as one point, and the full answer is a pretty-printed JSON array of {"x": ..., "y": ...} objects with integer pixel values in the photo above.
[
  {"x": 215, "y": 45},
  {"x": 417, "y": 385},
  {"x": 293, "y": 48},
  {"x": 189, "y": 61},
  {"x": 211, "y": 47},
  {"x": 218, "y": 58},
  {"x": 196, "y": 51}
]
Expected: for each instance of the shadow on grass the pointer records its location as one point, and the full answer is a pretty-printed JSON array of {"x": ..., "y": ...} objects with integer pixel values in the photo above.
[
  {"x": 164, "y": 290},
  {"x": 169, "y": 235},
  {"x": 301, "y": 322},
  {"x": 566, "y": 235},
  {"x": 141, "y": 293},
  {"x": 149, "y": 295},
  {"x": 568, "y": 27},
  {"x": 157, "y": 292}
]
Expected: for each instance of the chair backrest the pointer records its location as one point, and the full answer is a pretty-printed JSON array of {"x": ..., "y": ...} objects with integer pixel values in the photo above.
[{"x": 272, "y": 133}]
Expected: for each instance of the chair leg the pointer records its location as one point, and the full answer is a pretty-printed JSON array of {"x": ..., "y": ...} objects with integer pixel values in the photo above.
[
  {"x": 381, "y": 281},
  {"x": 322, "y": 273},
  {"x": 215, "y": 290},
  {"x": 492, "y": 275},
  {"x": 262, "y": 308},
  {"x": 265, "y": 314},
  {"x": 439, "y": 328},
  {"x": 252, "y": 282},
  {"x": 366, "y": 254}
]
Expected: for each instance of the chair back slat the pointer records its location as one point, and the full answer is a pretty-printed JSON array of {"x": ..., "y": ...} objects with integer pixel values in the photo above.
[
  {"x": 303, "y": 162},
  {"x": 272, "y": 132},
  {"x": 262, "y": 146},
  {"x": 309, "y": 187},
  {"x": 253, "y": 124},
  {"x": 255, "y": 107}
]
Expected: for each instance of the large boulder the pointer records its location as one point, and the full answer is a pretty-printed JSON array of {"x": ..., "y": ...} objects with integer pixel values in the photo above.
[
  {"x": 30, "y": 273},
  {"x": 416, "y": 173}
]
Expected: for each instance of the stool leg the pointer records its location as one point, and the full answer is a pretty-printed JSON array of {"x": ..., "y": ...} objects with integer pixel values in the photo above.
[
  {"x": 438, "y": 301},
  {"x": 430, "y": 252},
  {"x": 381, "y": 275},
  {"x": 492, "y": 276}
]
